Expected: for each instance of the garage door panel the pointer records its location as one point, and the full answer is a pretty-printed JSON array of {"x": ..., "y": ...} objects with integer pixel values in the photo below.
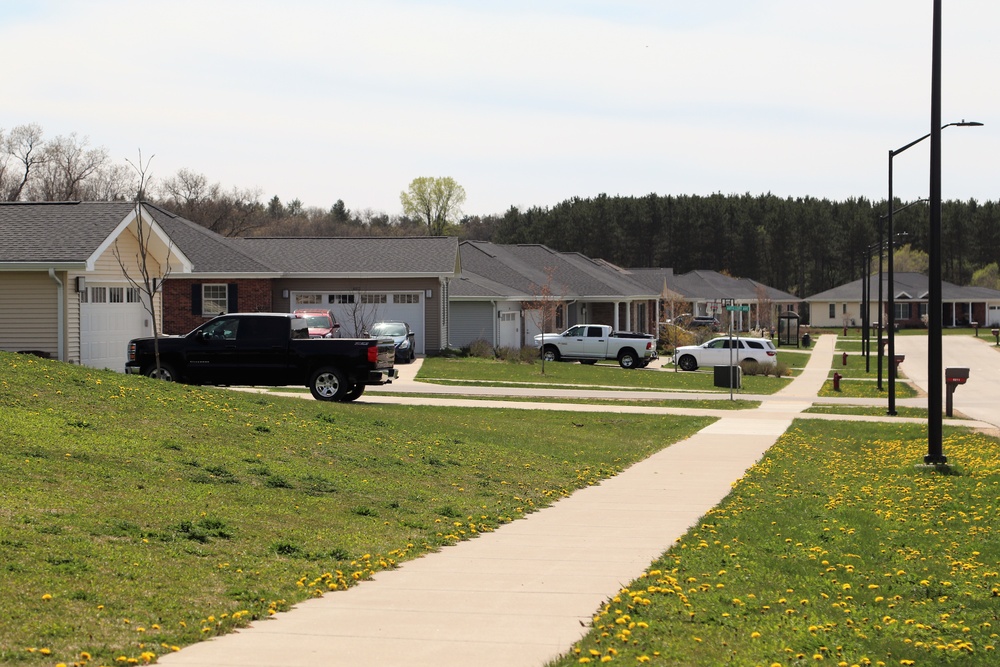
[
  {"x": 106, "y": 329},
  {"x": 380, "y": 306}
]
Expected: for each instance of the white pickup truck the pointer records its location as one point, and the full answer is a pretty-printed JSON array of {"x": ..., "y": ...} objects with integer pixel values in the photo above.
[{"x": 589, "y": 343}]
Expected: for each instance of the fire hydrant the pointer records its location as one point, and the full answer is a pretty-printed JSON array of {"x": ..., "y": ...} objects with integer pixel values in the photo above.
[
  {"x": 845, "y": 358},
  {"x": 836, "y": 381}
]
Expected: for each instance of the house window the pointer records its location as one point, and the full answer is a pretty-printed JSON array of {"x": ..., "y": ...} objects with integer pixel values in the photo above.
[
  {"x": 214, "y": 300},
  {"x": 132, "y": 295},
  {"x": 559, "y": 317},
  {"x": 833, "y": 310},
  {"x": 98, "y": 294},
  {"x": 843, "y": 309},
  {"x": 902, "y": 311},
  {"x": 116, "y": 295},
  {"x": 309, "y": 299},
  {"x": 373, "y": 298},
  {"x": 406, "y": 298},
  {"x": 341, "y": 298}
]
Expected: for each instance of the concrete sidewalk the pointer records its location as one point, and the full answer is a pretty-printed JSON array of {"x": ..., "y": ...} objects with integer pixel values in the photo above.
[{"x": 523, "y": 594}]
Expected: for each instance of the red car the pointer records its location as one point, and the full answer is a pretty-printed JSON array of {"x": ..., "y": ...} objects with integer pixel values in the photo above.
[{"x": 322, "y": 323}]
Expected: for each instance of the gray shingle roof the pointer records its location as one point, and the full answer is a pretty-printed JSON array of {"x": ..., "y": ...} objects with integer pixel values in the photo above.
[
  {"x": 54, "y": 232},
  {"x": 430, "y": 255},
  {"x": 525, "y": 270},
  {"x": 709, "y": 285},
  {"x": 908, "y": 286},
  {"x": 209, "y": 252}
]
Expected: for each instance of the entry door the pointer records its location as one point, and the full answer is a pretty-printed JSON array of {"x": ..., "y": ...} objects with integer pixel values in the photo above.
[{"x": 509, "y": 334}]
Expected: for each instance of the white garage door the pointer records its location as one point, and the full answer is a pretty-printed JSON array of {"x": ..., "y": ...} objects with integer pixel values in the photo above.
[
  {"x": 110, "y": 317},
  {"x": 366, "y": 308}
]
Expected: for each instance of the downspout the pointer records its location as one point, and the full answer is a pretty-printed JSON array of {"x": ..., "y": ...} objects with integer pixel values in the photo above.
[{"x": 60, "y": 315}]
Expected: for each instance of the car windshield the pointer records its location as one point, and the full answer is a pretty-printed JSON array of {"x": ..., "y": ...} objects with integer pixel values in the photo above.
[
  {"x": 389, "y": 329},
  {"x": 318, "y": 322}
]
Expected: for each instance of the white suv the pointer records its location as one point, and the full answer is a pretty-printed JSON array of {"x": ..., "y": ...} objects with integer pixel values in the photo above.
[{"x": 725, "y": 351}]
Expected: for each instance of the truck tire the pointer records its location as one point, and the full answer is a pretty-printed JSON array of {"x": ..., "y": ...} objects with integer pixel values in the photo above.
[
  {"x": 328, "y": 384},
  {"x": 166, "y": 372},
  {"x": 627, "y": 358},
  {"x": 550, "y": 353},
  {"x": 687, "y": 363},
  {"x": 354, "y": 393}
]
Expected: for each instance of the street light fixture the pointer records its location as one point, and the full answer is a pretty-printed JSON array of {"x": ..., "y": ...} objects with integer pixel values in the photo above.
[{"x": 891, "y": 301}]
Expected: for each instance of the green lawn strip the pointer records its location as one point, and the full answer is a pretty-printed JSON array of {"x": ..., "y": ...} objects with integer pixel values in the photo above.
[
  {"x": 866, "y": 388},
  {"x": 488, "y": 372},
  {"x": 867, "y": 410},
  {"x": 722, "y": 403},
  {"x": 140, "y": 515},
  {"x": 834, "y": 549},
  {"x": 858, "y": 367}
]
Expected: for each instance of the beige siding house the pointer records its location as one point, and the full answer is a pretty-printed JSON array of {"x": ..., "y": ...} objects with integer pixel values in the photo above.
[{"x": 65, "y": 291}]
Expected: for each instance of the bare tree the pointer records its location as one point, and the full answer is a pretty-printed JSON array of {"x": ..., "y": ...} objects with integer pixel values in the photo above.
[
  {"x": 363, "y": 313},
  {"x": 765, "y": 309},
  {"x": 148, "y": 274},
  {"x": 544, "y": 309},
  {"x": 23, "y": 148},
  {"x": 113, "y": 182},
  {"x": 234, "y": 213},
  {"x": 66, "y": 164}
]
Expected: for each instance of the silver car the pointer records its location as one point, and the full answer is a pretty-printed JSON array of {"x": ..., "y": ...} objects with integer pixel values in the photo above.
[{"x": 726, "y": 351}]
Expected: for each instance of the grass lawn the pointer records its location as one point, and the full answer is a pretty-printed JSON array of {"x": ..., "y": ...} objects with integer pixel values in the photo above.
[
  {"x": 559, "y": 374},
  {"x": 713, "y": 404},
  {"x": 866, "y": 389},
  {"x": 835, "y": 549},
  {"x": 140, "y": 516},
  {"x": 871, "y": 411}
]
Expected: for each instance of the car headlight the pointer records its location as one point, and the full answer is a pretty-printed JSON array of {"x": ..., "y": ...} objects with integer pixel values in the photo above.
[{"x": 405, "y": 344}]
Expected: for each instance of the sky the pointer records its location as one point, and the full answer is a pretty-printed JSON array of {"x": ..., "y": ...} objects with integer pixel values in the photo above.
[{"x": 523, "y": 102}]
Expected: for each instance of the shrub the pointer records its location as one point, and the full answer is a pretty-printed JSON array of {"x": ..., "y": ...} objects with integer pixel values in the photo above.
[
  {"x": 778, "y": 369},
  {"x": 481, "y": 348}
]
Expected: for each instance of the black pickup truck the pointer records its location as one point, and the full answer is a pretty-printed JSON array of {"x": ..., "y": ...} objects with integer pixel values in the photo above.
[{"x": 267, "y": 349}]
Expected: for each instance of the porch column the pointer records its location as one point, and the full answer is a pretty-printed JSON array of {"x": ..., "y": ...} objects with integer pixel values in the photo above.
[
  {"x": 617, "y": 307},
  {"x": 628, "y": 315}
]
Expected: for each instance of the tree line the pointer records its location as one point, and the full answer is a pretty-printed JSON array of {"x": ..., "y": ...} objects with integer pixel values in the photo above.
[{"x": 801, "y": 245}]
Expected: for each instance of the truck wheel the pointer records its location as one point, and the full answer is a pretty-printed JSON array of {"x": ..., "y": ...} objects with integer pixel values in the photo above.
[
  {"x": 353, "y": 393},
  {"x": 627, "y": 359},
  {"x": 328, "y": 384},
  {"x": 550, "y": 353},
  {"x": 687, "y": 363},
  {"x": 165, "y": 373}
]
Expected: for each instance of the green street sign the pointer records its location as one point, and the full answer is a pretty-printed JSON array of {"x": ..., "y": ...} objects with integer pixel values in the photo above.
[{"x": 744, "y": 308}]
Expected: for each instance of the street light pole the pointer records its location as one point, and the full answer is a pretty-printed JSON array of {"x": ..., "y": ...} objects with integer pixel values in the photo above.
[
  {"x": 935, "y": 455},
  {"x": 881, "y": 313}
]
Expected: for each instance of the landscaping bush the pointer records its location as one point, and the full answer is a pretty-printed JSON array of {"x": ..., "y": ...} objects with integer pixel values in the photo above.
[
  {"x": 481, "y": 348},
  {"x": 777, "y": 369}
]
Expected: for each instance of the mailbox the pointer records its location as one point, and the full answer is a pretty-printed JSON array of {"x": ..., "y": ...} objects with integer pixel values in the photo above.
[{"x": 956, "y": 375}]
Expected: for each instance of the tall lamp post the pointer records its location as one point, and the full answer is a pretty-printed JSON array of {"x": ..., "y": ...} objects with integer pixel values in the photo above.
[
  {"x": 891, "y": 300},
  {"x": 935, "y": 456}
]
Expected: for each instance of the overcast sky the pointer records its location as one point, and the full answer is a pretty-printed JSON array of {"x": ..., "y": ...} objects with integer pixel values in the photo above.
[{"x": 523, "y": 102}]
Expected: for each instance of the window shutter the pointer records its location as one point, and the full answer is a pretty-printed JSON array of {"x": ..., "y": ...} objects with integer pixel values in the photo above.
[
  {"x": 196, "y": 298},
  {"x": 234, "y": 303}
]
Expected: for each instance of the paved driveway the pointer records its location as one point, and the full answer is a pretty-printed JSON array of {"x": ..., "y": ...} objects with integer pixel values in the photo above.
[{"x": 979, "y": 398}]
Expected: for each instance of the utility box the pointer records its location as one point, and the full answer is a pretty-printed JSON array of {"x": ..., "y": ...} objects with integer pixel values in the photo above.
[{"x": 730, "y": 377}]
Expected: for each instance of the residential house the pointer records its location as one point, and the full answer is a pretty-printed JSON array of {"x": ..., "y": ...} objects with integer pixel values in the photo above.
[
  {"x": 63, "y": 292},
  {"x": 65, "y": 270},
  {"x": 842, "y": 305},
  {"x": 499, "y": 295},
  {"x": 710, "y": 293}
]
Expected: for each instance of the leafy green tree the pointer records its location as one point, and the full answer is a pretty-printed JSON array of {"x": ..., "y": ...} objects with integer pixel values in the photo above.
[
  {"x": 437, "y": 202},
  {"x": 988, "y": 276}
]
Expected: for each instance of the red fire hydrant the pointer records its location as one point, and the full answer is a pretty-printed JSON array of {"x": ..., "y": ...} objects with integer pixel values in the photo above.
[
  {"x": 836, "y": 381},
  {"x": 845, "y": 358}
]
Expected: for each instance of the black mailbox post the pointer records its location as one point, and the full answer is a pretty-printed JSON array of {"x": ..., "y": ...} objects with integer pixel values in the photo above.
[{"x": 952, "y": 378}]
